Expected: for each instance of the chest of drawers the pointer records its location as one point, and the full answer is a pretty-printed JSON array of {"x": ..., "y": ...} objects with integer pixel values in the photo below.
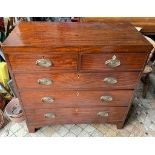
[{"x": 75, "y": 72}]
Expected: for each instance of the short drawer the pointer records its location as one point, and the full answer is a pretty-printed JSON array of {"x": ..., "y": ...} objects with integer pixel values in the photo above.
[
  {"x": 61, "y": 99},
  {"x": 76, "y": 115},
  {"x": 59, "y": 81},
  {"x": 44, "y": 62},
  {"x": 113, "y": 61}
]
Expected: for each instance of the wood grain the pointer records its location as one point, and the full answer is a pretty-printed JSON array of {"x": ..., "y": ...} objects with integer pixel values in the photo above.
[
  {"x": 76, "y": 115},
  {"x": 129, "y": 61},
  {"x": 78, "y": 52},
  {"x": 45, "y": 34},
  {"x": 77, "y": 81},
  {"x": 62, "y": 99},
  {"x": 28, "y": 62},
  {"x": 147, "y": 23}
]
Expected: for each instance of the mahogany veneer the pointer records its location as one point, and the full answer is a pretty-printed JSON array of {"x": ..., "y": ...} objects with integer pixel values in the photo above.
[
  {"x": 75, "y": 72},
  {"x": 74, "y": 81},
  {"x": 67, "y": 98},
  {"x": 146, "y": 23}
]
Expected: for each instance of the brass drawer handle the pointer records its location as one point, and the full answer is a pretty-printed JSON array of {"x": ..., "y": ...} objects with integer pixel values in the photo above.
[
  {"x": 44, "y": 62},
  {"x": 110, "y": 80},
  {"x": 106, "y": 98},
  {"x": 114, "y": 62},
  {"x": 45, "y": 81},
  {"x": 103, "y": 114},
  {"x": 49, "y": 115},
  {"x": 47, "y": 99}
]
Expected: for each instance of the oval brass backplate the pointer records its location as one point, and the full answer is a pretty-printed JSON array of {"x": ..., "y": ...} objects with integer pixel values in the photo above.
[
  {"x": 45, "y": 81},
  {"x": 110, "y": 80},
  {"x": 103, "y": 114},
  {"x": 49, "y": 115},
  {"x": 114, "y": 62},
  {"x": 106, "y": 98},
  {"x": 44, "y": 62},
  {"x": 47, "y": 99}
]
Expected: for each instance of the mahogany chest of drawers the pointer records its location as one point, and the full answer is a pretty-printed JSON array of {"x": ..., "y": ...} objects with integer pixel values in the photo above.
[{"x": 75, "y": 72}]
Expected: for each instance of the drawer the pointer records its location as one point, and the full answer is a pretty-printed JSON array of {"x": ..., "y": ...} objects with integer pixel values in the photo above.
[
  {"x": 113, "y": 61},
  {"x": 60, "y": 99},
  {"x": 59, "y": 81},
  {"x": 76, "y": 115},
  {"x": 44, "y": 62}
]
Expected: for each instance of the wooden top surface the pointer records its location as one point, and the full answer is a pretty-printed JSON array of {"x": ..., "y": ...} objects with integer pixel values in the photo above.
[
  {"x": 43, "y": 34},
  {"x": 146, "y": 23}
]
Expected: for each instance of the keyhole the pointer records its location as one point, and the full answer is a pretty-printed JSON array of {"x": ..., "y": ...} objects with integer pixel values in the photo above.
[
  {"x": 76, "y": 109},
  {"x": 77, "y": 93},
  {"x": 78, "y": 76}
]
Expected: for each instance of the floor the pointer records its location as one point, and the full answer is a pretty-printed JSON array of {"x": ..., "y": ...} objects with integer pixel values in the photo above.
[{"x": 140, "y": 123}]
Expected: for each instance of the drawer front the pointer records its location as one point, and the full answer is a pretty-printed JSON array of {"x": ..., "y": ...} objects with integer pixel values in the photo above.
[
  {"x": 60, "y": 99},
  {"x": 76, "y": 115},
  {"x": 113, "y": 61},
  {"x": 57, "y": 81},
  {"x": 44, "y": 62}
]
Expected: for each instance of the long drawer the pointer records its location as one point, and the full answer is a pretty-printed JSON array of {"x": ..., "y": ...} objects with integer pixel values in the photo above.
[
  {"x": 76, "y": 115},
  {"x": 112, "y": 61},
  {"x": 44, "y": 62},
  {"x": 60, "y": 99},
  {"x": 59, "y": 81}
]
